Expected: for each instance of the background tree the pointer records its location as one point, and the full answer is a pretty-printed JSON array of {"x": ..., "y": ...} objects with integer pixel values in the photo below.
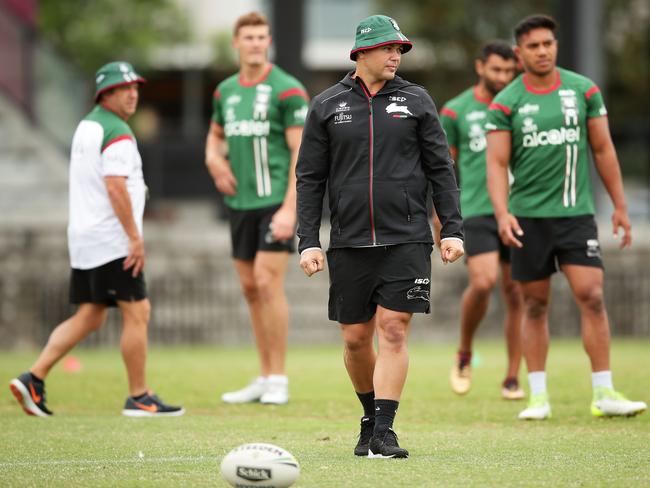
[
  {"x": 454, "y": 31},
  {"x": 95, "y": 32}
]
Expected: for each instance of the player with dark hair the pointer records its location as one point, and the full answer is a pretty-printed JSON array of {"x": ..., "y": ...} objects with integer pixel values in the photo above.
[
  {"x": 251, "y": 152},
  {"x": 542, "y": 125},
  {"x": 463, "y": 118},
  {"x": 374, "y": 141}
]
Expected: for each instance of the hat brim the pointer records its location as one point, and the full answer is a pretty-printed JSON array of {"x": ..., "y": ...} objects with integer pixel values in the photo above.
[
  {"x": 140, "y": 80},
  {"x": 407, "y": 47}
]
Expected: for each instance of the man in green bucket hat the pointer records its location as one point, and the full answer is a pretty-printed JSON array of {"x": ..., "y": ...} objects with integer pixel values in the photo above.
[
  {"x": 376, "y": 31},
  {"x": 375, "y": 143},
  {"x": 107, "y": 256},
  {"x": 114, "y": 75}
]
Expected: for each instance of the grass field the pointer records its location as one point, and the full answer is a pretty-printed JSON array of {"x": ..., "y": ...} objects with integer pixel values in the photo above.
[{"x": 470, "y": 441}]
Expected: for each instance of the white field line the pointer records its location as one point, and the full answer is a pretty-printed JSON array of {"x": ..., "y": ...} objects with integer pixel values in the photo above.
[{"x": 135, "y": 460}]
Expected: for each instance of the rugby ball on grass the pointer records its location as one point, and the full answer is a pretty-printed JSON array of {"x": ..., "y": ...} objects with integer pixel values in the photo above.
[{"x": 260, "y": 465}]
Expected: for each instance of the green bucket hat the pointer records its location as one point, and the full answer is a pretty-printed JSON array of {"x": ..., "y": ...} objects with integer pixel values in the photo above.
[
  {"x": 375, "y": 31},
  {"x": 111, "y": 75}
]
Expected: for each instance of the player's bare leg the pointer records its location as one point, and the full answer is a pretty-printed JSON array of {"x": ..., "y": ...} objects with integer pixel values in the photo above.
[
  {"x": 511, "y": 293},
  {"x": 392, "y": 361},
  {"x": 254, "y": 391},
  {"x": 89, "y": 317},
  {"x": 587, "y": 285},
  {"x": 391, "y": 368},
  {"x": 141, "y": 402},
  {"x": 246, "y": 271},
  {"x": 133, "y": 343},
  {"x": 262, "y": 282},
  {"x": 535, "y": 343},
  {"x": 359, "y": 354},
  {"x": 359, "y": 357},
  {"x": 29, "y": 387},
  {"x": 535, "y": 339},
  {"x": 482, "y": 271},
  {"x": 270, "y": 269}
]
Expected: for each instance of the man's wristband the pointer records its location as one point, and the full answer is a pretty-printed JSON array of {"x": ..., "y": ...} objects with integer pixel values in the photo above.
[
  {"x": 310, "y": 249},
  {"x": 451, "y": 239}
]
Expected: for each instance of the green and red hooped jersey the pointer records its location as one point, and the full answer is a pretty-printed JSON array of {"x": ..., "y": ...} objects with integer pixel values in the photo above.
[
  {"x": 463, "y": 119},
  {"x": 549, "y": 158},
  {"x": 254, "y": 117}
]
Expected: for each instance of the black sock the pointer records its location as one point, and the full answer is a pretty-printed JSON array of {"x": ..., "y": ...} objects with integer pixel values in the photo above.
[
  {"x": 35, "y": 378},
  {"x": 368, "y": 402},
  {"x": 464, "y": 358},
  {"x": 140, "y": 397},
  {"x": 385, "y": 411}
]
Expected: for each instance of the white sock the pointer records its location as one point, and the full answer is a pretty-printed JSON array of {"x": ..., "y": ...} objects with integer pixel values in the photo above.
[
  {"x": 602, "y": 379},
  {"x": 280, "y": 379},
  {"x": 537, "y": 382}
]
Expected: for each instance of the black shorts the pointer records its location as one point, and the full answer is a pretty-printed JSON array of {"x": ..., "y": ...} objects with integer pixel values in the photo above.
[
  {"x": 482, "y": 235},
  {"x": 250, "y": 232},
  {"x": 396, "y": 277},
  {"x": 106, "y": 284},
  {"x": 552, "y": 242}
]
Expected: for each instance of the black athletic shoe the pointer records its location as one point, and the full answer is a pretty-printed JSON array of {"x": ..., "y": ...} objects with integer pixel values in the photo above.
[
  {"x": 367, "y": 426},
  {"x": 150, "y": 406},
  {"x": 384, "y": 446},
  {"x": 30, "y": 394}
]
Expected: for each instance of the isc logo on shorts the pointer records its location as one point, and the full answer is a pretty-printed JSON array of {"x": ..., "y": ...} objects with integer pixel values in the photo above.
[{"x": 421, "y": 281}]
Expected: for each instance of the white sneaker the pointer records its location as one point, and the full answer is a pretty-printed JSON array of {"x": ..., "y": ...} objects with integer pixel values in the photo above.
[
  {"x": 277, "y": 390},
  {"x": 251, "y": 393},
  {"x": 607, "y": 402},
  {"x": 538, "y": 408}
]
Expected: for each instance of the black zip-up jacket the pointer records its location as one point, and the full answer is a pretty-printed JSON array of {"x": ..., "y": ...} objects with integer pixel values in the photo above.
[{"x": 377, "y": 155}]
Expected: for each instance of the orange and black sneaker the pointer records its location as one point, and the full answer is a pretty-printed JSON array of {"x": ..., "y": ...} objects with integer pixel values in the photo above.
[
  {"x": 150, "y": 405},
  {"x": 30, "y": 393}
]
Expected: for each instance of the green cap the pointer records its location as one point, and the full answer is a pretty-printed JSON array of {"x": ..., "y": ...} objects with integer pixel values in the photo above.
[
  {"x": 375, "y": 31},
  {"x": 111, "y": 75}
]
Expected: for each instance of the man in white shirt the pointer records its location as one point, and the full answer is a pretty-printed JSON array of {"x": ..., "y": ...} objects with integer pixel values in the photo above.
[{"x": 106, "y": 246}]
